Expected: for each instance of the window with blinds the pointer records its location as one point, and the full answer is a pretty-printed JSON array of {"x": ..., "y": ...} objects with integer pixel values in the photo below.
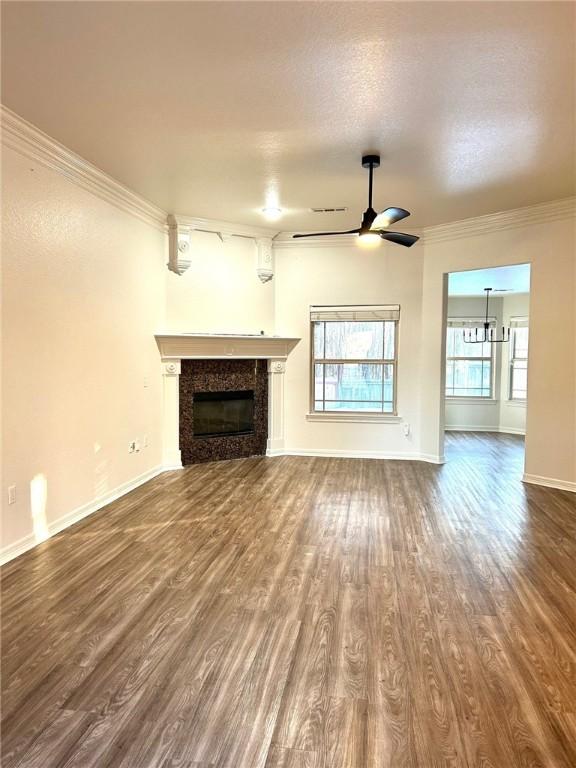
[
  {"x": 469, "y": 367},
  {"x": 518, "y": 358},
  {"x": 354, "y": 359}
]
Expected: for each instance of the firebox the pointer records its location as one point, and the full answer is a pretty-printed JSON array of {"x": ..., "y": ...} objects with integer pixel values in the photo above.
[{"x": 217, "y": 414}]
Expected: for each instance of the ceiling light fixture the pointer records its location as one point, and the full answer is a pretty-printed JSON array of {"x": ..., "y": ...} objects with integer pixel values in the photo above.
[
  {"x": 487, "y": 334},
  {"x": 272, "y": 214}
]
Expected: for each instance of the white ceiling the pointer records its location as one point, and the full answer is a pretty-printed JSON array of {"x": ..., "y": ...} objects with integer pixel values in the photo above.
[
  {"x": 513, "y": 279},
  {"x": 216, "y": 109}
]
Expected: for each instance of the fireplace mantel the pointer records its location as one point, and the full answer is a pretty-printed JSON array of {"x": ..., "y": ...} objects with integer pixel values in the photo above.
[
  {"x": 175, "y": 347},
  {"x": 206, "y": 346}
]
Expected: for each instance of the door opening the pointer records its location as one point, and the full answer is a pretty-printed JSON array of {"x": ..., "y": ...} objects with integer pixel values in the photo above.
[{"x": 485, "y": 397}]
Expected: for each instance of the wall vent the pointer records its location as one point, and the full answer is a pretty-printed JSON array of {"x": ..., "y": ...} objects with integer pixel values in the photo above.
[{"x": 336, "y": 209}]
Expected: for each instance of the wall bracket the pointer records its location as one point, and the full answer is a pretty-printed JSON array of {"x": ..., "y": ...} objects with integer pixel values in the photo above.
[
  {"x": 264, "y": 259},
  {"x": 179, "y": 246}
]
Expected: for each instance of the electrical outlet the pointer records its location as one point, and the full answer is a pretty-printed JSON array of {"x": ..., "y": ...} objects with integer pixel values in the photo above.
[
  {"x": 406, "y": 429},
  {"x": 12, "y": 494},
  {"x": 132, "y": 446},
  {"x": 137, "y": 446},
  {"x": 146, "y": 382}
]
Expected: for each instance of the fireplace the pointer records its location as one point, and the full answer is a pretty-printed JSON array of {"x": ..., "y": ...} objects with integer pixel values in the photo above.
[
  {"x": 223, "y": 409},
  {"x": 212, "y": 362},
  {"x": 223, "y": 413}
]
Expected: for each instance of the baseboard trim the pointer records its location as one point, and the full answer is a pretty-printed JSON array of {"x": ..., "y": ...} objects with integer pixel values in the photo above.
[
  {"x": 345, "y": 454},
  {"x": 65, "y": 521},
  {"x": 502, "y": 430},
  {"x": 549, "y": 482}
]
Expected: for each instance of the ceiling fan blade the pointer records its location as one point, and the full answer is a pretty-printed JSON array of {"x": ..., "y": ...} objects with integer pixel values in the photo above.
[
  {"x": 400, "y": 238},
  {"x": 389, "y": 216},
  {"x": 322, "y": 234}
]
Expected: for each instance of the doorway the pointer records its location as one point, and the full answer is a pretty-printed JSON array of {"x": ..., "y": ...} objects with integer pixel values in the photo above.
[{"x": 487, "y": 326}]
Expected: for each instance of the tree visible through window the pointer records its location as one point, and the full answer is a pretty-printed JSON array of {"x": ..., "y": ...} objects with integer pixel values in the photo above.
[
  {"x": 468, "y": 366},
  {"x": 354, "y": 365}
]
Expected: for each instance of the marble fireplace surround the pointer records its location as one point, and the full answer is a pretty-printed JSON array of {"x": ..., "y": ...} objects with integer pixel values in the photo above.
[{"x": 175, "y": 347}]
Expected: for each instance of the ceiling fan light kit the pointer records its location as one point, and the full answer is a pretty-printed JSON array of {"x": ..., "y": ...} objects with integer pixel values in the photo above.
[{"x": 374, "y": 225}]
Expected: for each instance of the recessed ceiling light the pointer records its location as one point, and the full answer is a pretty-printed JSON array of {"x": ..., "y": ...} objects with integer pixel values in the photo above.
[{"x": 272, "y": 214}]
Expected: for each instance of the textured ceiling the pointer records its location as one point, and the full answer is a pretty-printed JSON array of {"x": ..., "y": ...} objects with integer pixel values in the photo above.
[{"x": 216, "y": 109}]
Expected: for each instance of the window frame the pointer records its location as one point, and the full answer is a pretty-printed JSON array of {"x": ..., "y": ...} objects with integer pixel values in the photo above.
[
  {"x": 513, "y": 357},
  {"x": 353, "y": 415},
  {"x": 471, "y": 323}
]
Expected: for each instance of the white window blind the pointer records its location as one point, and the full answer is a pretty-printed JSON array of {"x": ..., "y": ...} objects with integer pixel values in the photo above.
[
  {"x": 470, "y": 322},
  {"x": 362, "y": 312}
]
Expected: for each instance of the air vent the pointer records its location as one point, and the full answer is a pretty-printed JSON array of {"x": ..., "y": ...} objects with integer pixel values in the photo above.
[{"x": 339, "y": 209}]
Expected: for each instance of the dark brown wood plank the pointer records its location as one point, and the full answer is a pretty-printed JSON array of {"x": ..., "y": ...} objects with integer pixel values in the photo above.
[{"x": 302, "y": 613}]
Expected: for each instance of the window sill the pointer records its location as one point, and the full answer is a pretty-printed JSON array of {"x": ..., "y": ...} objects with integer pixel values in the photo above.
[
  {"x": 476, "y": 400},
  {"x": 516, "y": 403},
  {"x": 364, "y": 418}
]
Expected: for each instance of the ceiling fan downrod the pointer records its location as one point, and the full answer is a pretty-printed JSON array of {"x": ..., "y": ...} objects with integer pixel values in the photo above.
[{"x": 370, "y": 162}]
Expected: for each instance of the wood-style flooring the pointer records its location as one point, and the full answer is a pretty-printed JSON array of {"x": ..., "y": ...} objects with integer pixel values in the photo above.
[{"x": 300, "y": 612}]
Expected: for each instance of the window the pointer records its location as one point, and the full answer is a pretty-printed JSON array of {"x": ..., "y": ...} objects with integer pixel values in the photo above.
[
  {"x": 469, "y": 367},
  {"x": 354, "y": 359},
  {"x": 518, "y": 358}
]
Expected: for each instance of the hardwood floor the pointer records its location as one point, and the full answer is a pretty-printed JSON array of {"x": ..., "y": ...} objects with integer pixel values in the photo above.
[{"x": 302, "y": 613}]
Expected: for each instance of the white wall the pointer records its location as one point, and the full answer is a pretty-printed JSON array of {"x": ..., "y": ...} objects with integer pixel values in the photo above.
[
  {"x": 549, "y": 247},
  {"x": 221, "y": 291},
  {"x": 307, "y": 275},
  {"x": 480, "y": 414},
  {"x": 417, "y": 280},
  {"x": 82, "y": 296}
]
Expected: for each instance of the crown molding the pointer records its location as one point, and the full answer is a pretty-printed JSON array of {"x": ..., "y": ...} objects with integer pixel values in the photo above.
[
  {"x": 224, "y": 228},
  {"x": 541, "y": 213},
  {"x": 27, "y": 140},
  {"x": 23, "y": 137},
  {"x": 479, "y": 225},
  {"x": 284, "y": 240}
]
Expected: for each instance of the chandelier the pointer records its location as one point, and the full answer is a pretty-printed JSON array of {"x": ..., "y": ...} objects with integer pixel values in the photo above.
[{"x": 487, "y": 334}]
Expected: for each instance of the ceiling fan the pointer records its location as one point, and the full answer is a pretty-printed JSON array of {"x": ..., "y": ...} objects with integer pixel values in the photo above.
[{"x": 374, "y": 225}]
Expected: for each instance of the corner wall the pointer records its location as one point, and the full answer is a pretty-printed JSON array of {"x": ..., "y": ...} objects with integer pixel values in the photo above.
[
  {"x": 82, "y": 295},
  {"x": 220, "y": 292}
]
